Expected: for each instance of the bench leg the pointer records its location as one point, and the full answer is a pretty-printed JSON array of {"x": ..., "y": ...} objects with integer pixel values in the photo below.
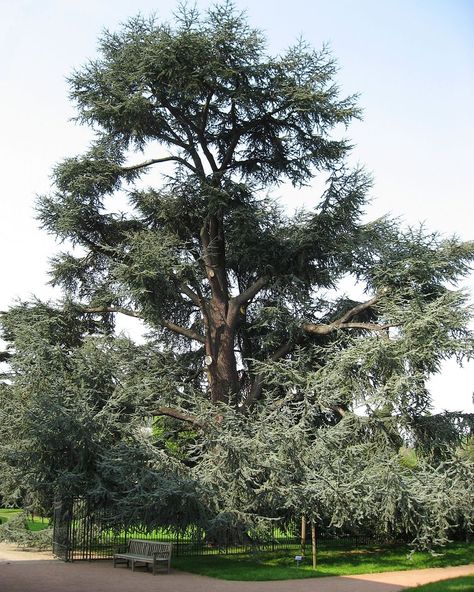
[{"x": 133, "y": 564}]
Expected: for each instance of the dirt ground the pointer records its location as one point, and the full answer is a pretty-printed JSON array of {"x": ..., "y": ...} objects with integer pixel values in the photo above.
[{"x": 23, "y": 571}]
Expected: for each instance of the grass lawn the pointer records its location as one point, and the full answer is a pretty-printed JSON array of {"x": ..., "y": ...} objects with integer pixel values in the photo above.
[
  {"x": 7, "y": 513},
  {"x": 37, "y": 523},
  {"x": 280, "y": 565},
  {"x": 463, "y": 584}
]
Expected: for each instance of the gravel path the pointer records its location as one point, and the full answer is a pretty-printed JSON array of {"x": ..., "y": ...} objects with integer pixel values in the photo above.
[{"x": 22, "y": 571}]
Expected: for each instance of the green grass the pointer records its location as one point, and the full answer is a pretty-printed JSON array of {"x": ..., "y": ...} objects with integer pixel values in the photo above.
[
  {"x": 7, "y": 513},
  {"x": 280, "y": 565},
  {"x": 37, "y": 523},
  {"x": 34, "y": 524},
  {"x": 463, "y": 584}
]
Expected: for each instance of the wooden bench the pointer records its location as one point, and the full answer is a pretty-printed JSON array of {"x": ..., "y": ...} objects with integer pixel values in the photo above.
[{"x": 146, "y": 552}]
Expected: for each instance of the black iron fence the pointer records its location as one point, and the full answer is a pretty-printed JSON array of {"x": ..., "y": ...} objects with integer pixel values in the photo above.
[{"x": 82, "y": 531}]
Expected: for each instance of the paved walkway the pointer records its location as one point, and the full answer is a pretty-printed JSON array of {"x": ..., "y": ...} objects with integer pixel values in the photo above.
[{"x": 22, "y": 571}]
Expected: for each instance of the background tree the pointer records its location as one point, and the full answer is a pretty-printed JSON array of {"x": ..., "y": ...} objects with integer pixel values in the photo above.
[{"x": 249, "y": 339}]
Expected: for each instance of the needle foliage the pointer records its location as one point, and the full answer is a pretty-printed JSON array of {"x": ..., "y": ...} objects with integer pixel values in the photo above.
[{"x": 262, "y": 391}]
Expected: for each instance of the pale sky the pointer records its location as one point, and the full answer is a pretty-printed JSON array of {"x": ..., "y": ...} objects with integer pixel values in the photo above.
[{"x": 410, "y": 61}]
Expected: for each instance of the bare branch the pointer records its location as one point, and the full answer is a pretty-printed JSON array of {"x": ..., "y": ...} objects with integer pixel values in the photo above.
[
  {"x": 342, "y": 323},
  {"x": 152, "y": 161},
  {"x": 359, "y": 308},
  {"x": 195, "y": 297},
  {"x": 185, "y": 289},
  {"x": 241, "y": 299},
  {"x": 251, "y": 291},
  {"x": 183, "y": 331},
  {"x": 112, "y": 309},
  {"x": 321, "y": 329},
  {"x": 178, "y": 414},
  {"x": 339, "y": 410}
]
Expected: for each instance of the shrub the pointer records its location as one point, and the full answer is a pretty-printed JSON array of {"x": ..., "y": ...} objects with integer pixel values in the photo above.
[{"x": 16, "y": 531}]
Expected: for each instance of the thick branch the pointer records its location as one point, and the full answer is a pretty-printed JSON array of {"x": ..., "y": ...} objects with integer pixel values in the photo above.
[
  {"x": 342, "y": 322},
  {"x": 183, "y": 331},
  {"x": 242, "y": 298},
  {"x": 317, "y": 329},
  {"x": 178, "y": 414},
  {"x": 239, "y": 130},
  {"x": 205, "y": 112},
  {"x": 251, "y": 291},
  {"x": 152, "y": 161},
  {"x": 359, "y": 308},
  {"x": 230, "y": 151},
  {"x": 190, "y": 294},
  {"x": 112, "y": 309}
]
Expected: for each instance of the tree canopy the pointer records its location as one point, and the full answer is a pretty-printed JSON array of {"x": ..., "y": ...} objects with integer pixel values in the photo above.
[{"x": 272, "y": 391}]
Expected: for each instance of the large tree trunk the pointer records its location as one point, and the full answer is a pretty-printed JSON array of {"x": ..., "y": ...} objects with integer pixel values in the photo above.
[
  {"x": 221, "y": 362},
  {"x": 220, "y": 331}
]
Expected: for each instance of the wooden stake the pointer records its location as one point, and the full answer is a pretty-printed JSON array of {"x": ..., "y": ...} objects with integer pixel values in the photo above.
[
  {"x": 313, "y": 542},
  {"x": 303, "y": 534}
]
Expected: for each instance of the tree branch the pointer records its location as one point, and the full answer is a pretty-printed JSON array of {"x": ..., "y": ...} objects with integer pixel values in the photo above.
[
  {"x": 214, "y": 274},
  {"x": 359, "y": 308},
  {"x": 184, "y": 331},
  {"x": 251, "y": 291},
  {"x": 236, "y": 134},
  {"x": 321, "y": 329},
  {"x": 152, "y": 161},
  {"x": 242, "y": 298},
  {"x": 186, "y": 125},
  {"x": 318, "y": 329},
  {"x": 342, "y": 323},
  {"x": 112, "y": 309},
  {"x": 205, "y": 112},
  {"x": 178, "y": 414},
  {"x": 189, "y": 293}
]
